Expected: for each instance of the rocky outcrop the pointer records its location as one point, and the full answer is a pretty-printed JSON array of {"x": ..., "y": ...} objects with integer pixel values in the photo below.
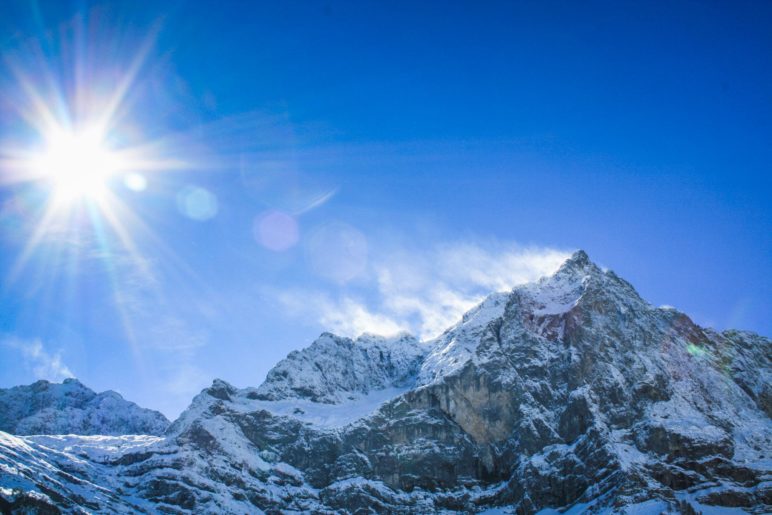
[{"x": 569, "y": 392}]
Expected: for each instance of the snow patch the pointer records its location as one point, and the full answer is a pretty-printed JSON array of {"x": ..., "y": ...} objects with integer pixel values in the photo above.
[
  {"x": 457, "y": 346},
  {"x": 327, "y": 416}
]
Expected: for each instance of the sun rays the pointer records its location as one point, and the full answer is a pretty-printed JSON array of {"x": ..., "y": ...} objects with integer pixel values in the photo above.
[
  {"x": 76, "y": 145},
  {"x": 110, "y": 167},
  {"x": 82, "y": 152}
]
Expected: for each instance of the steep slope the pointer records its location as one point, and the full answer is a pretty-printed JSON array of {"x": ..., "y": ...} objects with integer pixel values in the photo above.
[
  {"x": 334, "y": 369},
  {"x": 71, "y": 474},
  {"x": 72, "y": 408},
  {"x": 568, "y": 392}
]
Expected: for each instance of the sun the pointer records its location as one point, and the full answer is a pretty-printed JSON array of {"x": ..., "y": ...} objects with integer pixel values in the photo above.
[{"x": 78, "y": 163}]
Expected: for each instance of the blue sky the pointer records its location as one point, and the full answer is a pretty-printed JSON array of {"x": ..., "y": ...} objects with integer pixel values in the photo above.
[{"x": 372, "y": 166}]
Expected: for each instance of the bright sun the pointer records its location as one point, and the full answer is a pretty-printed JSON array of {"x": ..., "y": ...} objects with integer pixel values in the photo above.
[
  {"x": 78, "y": 163},
  {"x": 77, "y": 150}
]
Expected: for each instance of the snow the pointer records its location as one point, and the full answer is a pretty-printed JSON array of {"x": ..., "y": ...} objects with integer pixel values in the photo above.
[
  {"x": 317, "y": 414},
  {"x": 706, "y": 509},
  {"x": 555, "y": 295},
  {"x": 628, "y": 454},
  {"x": 679, "y": 417},
  {"x": 327, "y": 416},
  {"x": 96, "y": 448},
  {"x": 335, "y": 382},
  {"x": 335, "y": 370},
  {"x": 457, "y": 346},
  {"x": 321, "y": 416},
  {"x": 550, "y": 296},
  {"x": 70, "y": 407},
  {"x": 650, "y": 507}
]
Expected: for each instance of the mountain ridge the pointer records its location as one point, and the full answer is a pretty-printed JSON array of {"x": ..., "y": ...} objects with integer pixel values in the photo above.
[
  {"x": 570, "y": 392},
  {"x": 72, "y": 408}
]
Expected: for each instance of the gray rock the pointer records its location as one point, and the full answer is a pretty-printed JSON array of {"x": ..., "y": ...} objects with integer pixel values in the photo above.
[{"x": 572, "y": 391}]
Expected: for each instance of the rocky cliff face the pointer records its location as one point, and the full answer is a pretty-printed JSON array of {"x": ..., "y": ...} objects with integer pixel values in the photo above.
[
  {"x": 571, "y": 392},
  {"x": 72, "y": 408}
]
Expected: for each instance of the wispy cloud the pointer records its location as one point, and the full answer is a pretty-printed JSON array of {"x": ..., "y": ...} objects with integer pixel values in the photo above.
[
  {"x": 345, "y": 315},
  {"x": 424, "y": 292},
  {"x": 44, "y": 364},
  {"x": 316, "y": 202}
]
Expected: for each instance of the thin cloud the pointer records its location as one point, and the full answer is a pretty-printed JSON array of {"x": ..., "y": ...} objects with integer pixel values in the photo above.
[
  {"x": 427, "y": 291},
  {"x": 345, "y": 316},
  {"x": 316, "y": 202},
  {"x": 42, "y": 363}
]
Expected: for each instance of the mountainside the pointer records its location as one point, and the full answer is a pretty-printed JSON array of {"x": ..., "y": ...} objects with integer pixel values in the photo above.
[
  {"x": 72, "y": 408},
  {"x": 334, "y": 369},
  {"x": 568, "y": 393}
]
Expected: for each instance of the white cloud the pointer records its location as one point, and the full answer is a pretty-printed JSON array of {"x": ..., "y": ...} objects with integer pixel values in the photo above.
[
  {"x": 427, "y": 291},
  {"x": 44, "y": 365},
  {"x": 349, "y": 316},
  {"x": 499, "y": 268}
]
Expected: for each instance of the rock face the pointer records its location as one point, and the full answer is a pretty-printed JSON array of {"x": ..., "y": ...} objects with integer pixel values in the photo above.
[
  {"x": 568, "y": 392},
  {"x": 72, "y": 408},
  {"x": 334, "y": 369}
]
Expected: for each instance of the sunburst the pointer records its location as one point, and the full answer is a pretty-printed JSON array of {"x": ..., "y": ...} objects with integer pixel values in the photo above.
[{"x": 71, "y": 147}]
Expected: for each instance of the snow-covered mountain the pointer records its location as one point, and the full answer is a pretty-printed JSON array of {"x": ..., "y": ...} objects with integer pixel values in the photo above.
[
  {"x": 571, "y": 393},
  {"x": 72, "y": 408},
  {"x": 334, "y": 369}
]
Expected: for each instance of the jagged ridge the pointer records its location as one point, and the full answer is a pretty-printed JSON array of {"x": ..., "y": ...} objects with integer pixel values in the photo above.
[{"x": 572, "y": 391}]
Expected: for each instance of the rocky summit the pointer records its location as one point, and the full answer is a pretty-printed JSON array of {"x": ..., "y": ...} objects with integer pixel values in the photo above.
[{"x": 568, "y": 394}]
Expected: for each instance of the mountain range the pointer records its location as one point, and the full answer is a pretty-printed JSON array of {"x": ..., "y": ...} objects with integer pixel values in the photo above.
[{"x": 570, "y": 394}]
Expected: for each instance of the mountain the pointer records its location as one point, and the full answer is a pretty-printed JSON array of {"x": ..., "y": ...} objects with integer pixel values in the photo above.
[
  {"x": 72, "y": 408},
  {"x": 334, "y": 369},
  {"x": 568, "y": 394}
]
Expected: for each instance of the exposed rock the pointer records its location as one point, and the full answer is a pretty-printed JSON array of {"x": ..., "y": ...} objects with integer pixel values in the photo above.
[{"x": 571, "y": 391}]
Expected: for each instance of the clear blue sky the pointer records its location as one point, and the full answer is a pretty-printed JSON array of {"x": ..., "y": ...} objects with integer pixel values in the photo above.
[{"x": 333, "y": 157}]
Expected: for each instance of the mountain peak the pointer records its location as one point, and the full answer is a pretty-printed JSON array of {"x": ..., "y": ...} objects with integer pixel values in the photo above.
[
  {"x": 400, "y": 336},
  {"x": 70, "y": 407},
  {"x": 572, "y": 380},
  {"x": 579, "y": 258},
  {"x": 220, "y": 389},
  {"x": 578, "y": 264}
]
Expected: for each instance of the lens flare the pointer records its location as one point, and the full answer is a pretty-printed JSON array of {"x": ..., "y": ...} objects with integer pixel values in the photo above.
[
  {"x": 197, "y": 203},
  {"x": 135, "y": 182},
  {"x": 276, "y": 231}
]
